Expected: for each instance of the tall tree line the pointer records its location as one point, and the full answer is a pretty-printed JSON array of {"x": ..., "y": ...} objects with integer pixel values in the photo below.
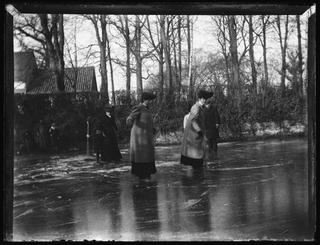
[{"x": 167, "y": 40}]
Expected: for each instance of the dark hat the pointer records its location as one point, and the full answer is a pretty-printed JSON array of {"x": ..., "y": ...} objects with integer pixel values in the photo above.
[
  {"x": 209, "y": 94},
  {"x": 147, "y": 96},
  {"x": 202, "y": 94},
  {"x": 108, "y": 107}
]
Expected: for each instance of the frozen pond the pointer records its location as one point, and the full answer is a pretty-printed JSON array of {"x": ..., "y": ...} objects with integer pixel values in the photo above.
[{"x": 256, "y": 190}]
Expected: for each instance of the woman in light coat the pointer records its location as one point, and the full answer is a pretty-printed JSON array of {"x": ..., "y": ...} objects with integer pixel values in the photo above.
[
  {"x": 193, "y": 142},
  {"x": 141, "y": 139}
]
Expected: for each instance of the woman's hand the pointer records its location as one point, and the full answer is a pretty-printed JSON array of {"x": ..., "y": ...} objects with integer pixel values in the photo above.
[
  {"x": 129, "y": 122},
  {"x": 200, "y": 134}
]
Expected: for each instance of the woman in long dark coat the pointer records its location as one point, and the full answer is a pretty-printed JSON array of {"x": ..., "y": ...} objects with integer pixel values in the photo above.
[
  {"x": 193, "y": 148},
  {"x": 98, "y": 137},
  {"x": 212, "y": 123},
  {"x": 110, "y": 150},
  {"x": 141, "y": 139}
]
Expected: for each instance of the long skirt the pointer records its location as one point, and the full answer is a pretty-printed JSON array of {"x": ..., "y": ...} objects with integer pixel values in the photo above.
[
  {"x": 110, "y": 151},
  {"x": 194, "y": 162},
  {"x": 143, "y": 170}
]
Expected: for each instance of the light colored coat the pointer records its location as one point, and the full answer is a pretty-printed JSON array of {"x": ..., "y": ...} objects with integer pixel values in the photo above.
[
  {"x": 185, "y": 119},
  {"x": 141, "y": 138},
  {"x": 192, "y": 143}
]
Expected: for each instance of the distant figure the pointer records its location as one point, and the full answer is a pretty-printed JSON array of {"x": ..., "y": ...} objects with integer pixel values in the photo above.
[
  {"x": 41, "y": 135},
  {"x": 98, "y": 137},
  {"x": 212, "y": 123},
  {"x": 192, "y": 150},
  {"x": 110, "y": 149},
  {"x": 141, "y": 139},
  {"x": 26, "y": 142},
  {"x": 54, "y": 137}
]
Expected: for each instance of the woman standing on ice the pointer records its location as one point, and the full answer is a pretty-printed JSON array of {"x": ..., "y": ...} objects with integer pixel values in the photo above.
[
  {"x": 105, "y": 137},
  {"x": 192, "y": 150},
  {"x": 141, "y": 139}
]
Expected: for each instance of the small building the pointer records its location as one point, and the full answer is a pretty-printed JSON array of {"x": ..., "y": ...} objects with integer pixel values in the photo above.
[
  {"x": 77, "y": 80},
  {"x": 28, "y": 79},
  {"x": 25, "y": 67}
]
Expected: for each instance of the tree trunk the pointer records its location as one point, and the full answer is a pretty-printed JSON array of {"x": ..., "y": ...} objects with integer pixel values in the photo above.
[
  {"x": 265, "y": 64},
  {"x": 54, "y": 35},
  {"x": 175, "y": 81},
  {"x": 164, "y": 42},
  {"x": 104, "y": 74},
  {"x": 283, "y": 45},
  {"x": 264, "y": 45},
  {"x": 161, "y": 82},
  {"x": 128, "y": 73},
  {"x": 235, "y": 88},
  {"x": 252, "y": 62},
  {"x": 300, "y": 57},
  {"x": 103, "y": 59},
  {"x": 111, "y": 69},
  {"x": 189, "y": 42},
  {"x": 179, "y": 57},
  {"x": 60, "y": 51},
  {"x": 75, "y": 66},
  {"x": 222, "y": 24},
  {"x": 138, "y": 58}
]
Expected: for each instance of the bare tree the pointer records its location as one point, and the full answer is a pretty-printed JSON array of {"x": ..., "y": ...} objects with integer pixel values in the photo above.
[
  {"x": 235, "y": 77},
  {"x": 73, "y": 51},
  {"x": 222, "y": 37},
  {"x": 136, "y": 50},
  {"x": 28, "y": 27},
  {"x": 122, "y": 25},
  {"x": 252, "y": 61},
  {"x": 159, "y": 51},
  {"x": 179, "y": 55},
  {"x": 164, "y": 31},
  {"x": 174, "y": 44},
  {"x": 111, "y": 69},
  {"x": 300, "y": 57},
  {"x": 102, "y": 42},
  {"x": 190, "y": 55},
  {"x": 283, "y": 45},
  {"x": 54, "y": 35},
  {"x": 265, "y": 22}
]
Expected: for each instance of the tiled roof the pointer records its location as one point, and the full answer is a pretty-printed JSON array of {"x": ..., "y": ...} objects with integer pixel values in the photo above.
[
  {"x": 24, "y": 66},
  {"x": 45, "y": 82}
]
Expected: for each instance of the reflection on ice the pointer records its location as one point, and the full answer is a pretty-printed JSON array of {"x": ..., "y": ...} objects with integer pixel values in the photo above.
[{"x": 77, "y": 199}]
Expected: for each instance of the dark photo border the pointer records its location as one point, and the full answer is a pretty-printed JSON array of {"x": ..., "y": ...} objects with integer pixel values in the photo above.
[{"x": 148, "y": 7}]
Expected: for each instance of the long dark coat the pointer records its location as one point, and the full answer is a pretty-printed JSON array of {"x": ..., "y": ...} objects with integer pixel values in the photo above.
[
  {"x": 110, "y": 149},
  {"x": 141, "y": 138},
  {"x": 192, "y": 142},
  {"x": 212, "y": 118}
]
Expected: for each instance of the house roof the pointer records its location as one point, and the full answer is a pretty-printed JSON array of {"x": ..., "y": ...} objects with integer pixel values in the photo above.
[
  {"x": 45, "y": 82},
  {"x": 24, "y": 66}
]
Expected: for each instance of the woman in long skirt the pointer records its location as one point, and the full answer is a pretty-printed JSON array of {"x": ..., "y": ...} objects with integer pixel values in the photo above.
[
  {"x": 193, "y": 142},
  {"x": 111, "y": 152},
  {"x": 141, "y": 139},
  {"x": 105, "y": 138}
]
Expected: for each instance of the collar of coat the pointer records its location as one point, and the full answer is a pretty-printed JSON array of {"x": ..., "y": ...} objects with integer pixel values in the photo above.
[{"x": 144, "y": 105}]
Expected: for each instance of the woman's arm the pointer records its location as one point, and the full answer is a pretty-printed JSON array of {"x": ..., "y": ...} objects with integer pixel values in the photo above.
[
  {"x": 133, "y": 116},
  {"x": 195, "y": 113}
]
